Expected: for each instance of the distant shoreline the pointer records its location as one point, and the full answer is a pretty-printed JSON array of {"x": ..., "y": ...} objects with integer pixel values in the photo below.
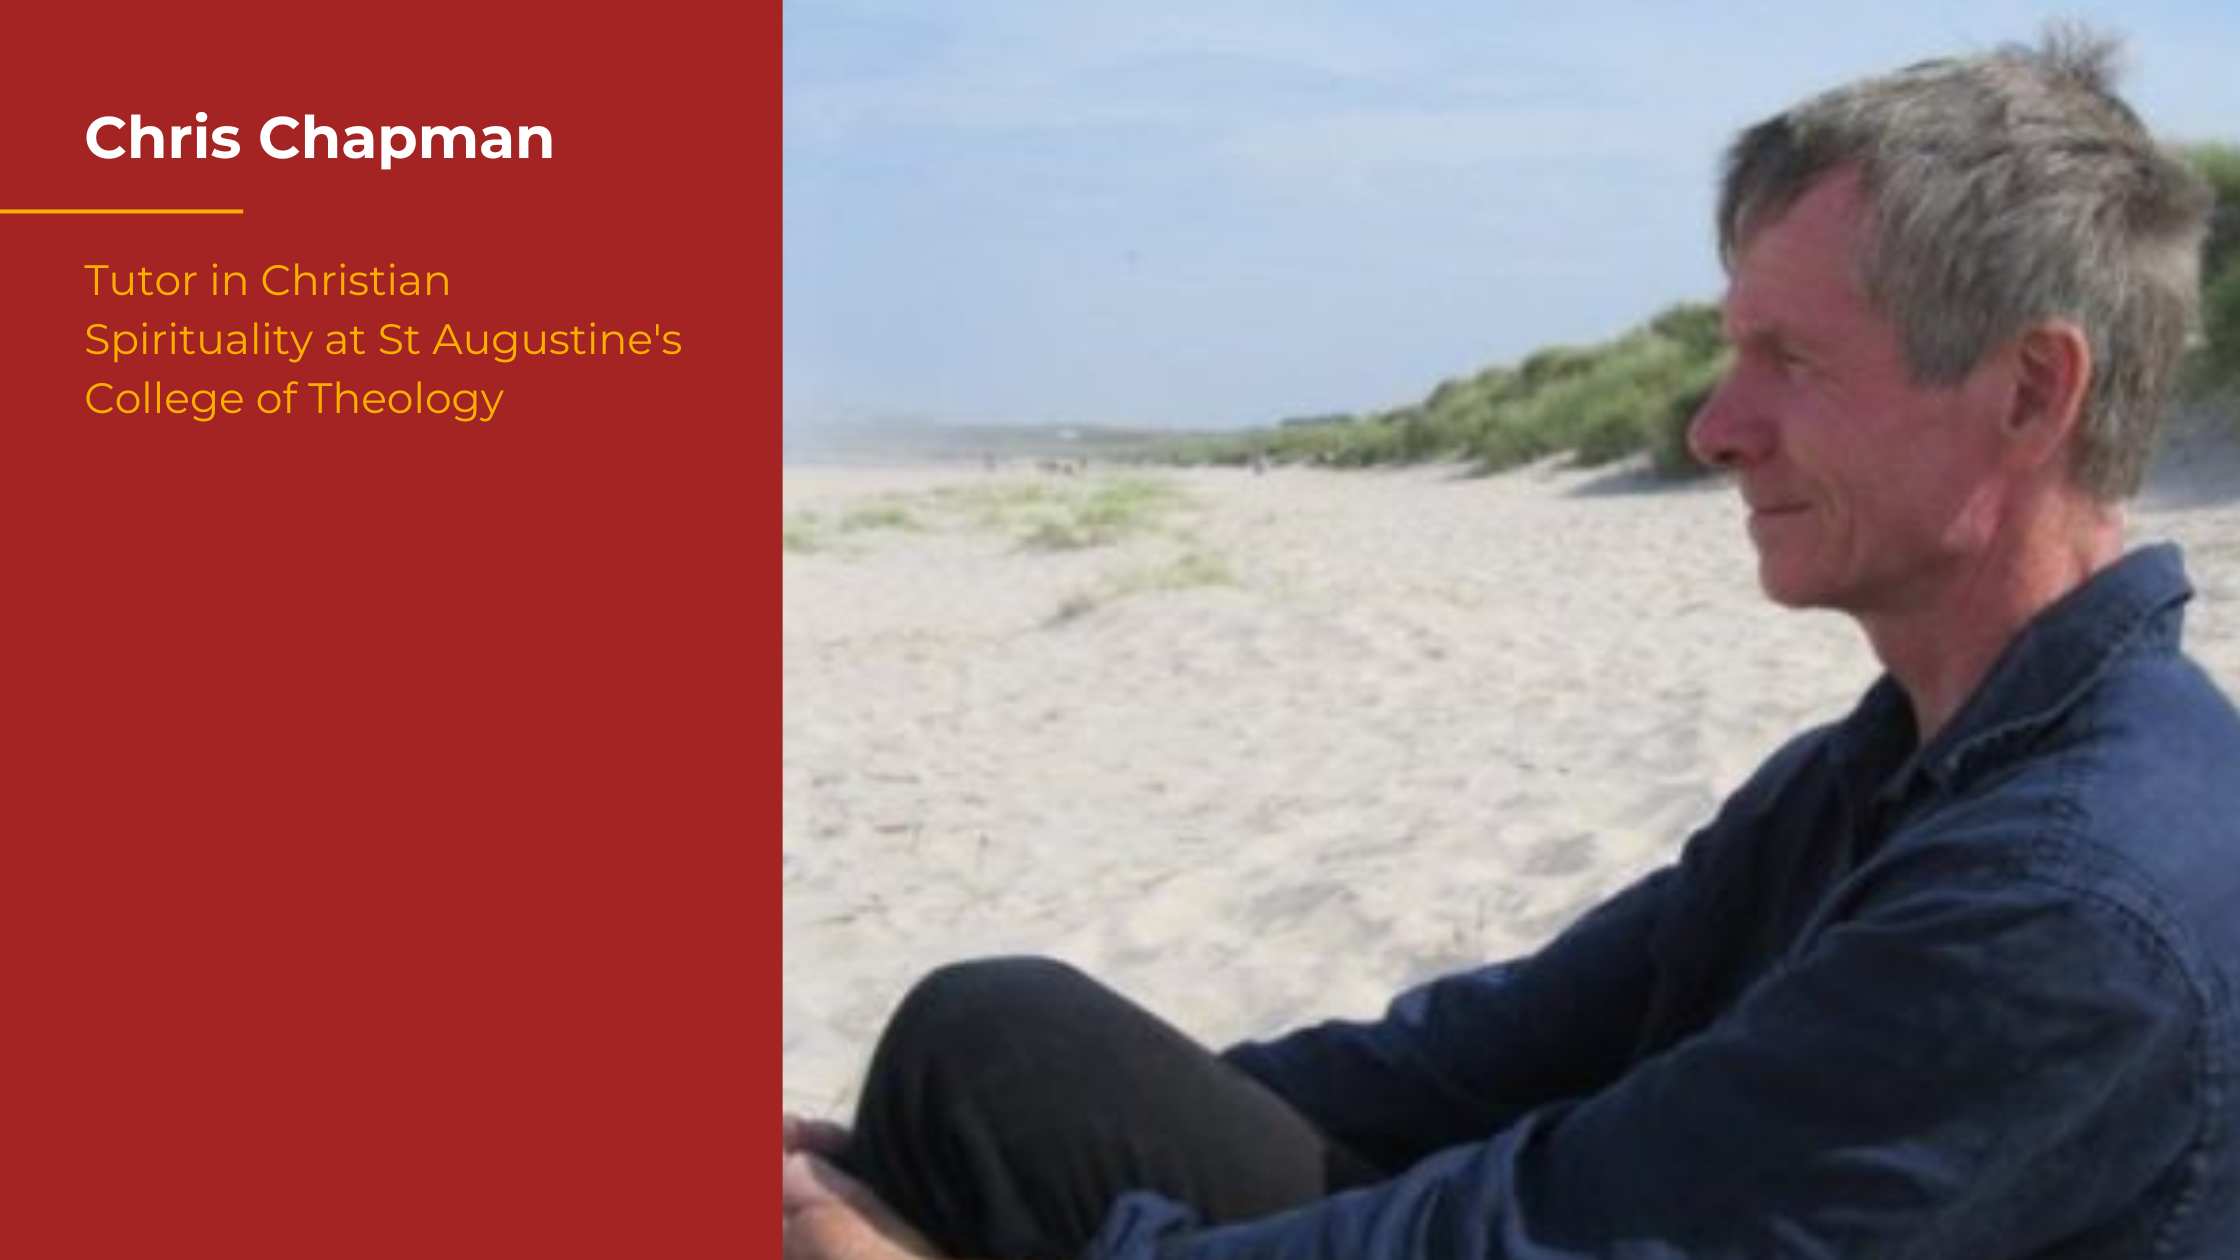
[{"x": 841, "y": 444}]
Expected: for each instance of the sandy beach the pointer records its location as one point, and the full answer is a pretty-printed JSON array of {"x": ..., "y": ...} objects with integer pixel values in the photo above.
[{"x": 1263, "y": 749}]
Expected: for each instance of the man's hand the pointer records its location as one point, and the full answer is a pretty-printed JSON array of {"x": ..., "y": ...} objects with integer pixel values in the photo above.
[{"x": 832, "y": 1216}]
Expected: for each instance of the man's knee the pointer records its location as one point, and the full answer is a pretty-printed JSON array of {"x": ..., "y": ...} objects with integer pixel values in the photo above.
[
  {"x": 969, "y": 1044},
  {"x": 966, "y": 1002}
]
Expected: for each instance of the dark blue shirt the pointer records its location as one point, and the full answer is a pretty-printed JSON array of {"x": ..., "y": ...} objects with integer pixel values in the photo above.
[{"x": 1970, "y": 1002}]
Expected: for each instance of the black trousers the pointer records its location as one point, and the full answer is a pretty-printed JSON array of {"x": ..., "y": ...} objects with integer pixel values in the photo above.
[{"x": 1012, "y": 1100}]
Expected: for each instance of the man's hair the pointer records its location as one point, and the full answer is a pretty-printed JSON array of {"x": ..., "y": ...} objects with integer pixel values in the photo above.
[{"x": 2004, "y": 190}]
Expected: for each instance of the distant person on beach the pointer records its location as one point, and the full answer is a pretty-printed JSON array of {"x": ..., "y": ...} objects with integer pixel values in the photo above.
[{"x": 1954, "y": 978}]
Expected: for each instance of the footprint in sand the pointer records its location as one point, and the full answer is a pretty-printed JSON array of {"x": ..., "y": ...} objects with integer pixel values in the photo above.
[{"x": 1558, "y": 856}]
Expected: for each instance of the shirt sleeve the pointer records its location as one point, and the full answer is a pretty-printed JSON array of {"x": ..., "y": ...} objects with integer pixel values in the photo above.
[
  {"x": 1970, "y": 1062},
  {"x": 1469, "y": 1054},
  {"x": 1466, "y": 1056}
]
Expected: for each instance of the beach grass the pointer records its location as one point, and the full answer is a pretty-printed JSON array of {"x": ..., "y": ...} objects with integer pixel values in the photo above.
[
  {"x": 1193, "y": 569},
  {"x": 1107, "y": 512},
  {"x": 1057, "y": 514},
  {"x": 882, "y": 514},
  {"x": 991, "y": 507},
  {"x": 806, "y": 535}
]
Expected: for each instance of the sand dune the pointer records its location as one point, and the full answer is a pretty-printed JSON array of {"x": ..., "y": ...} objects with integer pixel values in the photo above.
[{"x": 1282, "y": 743}]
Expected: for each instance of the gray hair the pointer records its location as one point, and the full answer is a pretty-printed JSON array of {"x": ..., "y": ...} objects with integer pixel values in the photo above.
[{"x": 2005, "y": 189}]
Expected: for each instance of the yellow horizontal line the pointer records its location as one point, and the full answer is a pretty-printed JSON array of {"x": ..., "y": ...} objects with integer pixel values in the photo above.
[{"x": 123, "y": 212}]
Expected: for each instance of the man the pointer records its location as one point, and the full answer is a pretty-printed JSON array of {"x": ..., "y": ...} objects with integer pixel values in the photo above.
[{"x": 1956, "y": 977}]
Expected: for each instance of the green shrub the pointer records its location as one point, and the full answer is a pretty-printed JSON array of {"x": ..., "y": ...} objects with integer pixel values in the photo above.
[
  {"x": 1611, "y": 435},
  {"x": 2220, "y": 325},
  {"x": 1556, "y": 363},
  {"x": 1599, "y": 403},
  {"x": 1693, "y": 326},
  {"x": 1667, "y": 427},
  {"x": 2219, "y": 164}
]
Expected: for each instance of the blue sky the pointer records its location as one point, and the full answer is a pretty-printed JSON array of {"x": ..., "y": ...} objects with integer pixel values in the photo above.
[{"x": 1227, "y": 212}]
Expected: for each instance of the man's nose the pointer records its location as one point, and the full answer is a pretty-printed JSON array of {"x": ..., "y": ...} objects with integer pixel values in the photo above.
[{"x": 1728, "y": 430}]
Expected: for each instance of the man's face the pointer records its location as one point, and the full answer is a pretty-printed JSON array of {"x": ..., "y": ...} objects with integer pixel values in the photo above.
[{"x": 1867, "y": 493}]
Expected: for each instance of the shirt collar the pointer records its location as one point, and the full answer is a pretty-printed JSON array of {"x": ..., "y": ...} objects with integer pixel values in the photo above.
[{"x": 2136, "y": 604}]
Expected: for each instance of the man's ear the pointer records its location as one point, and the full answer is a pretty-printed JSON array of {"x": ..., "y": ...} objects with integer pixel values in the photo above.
[{"x": 2053, "y": 369}]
